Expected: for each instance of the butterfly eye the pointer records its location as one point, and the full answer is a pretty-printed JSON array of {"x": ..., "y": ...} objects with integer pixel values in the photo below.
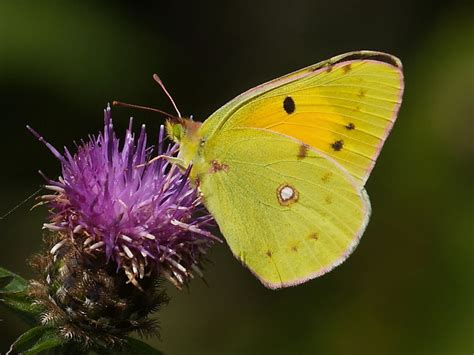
[{"x": 177, "y": 132}]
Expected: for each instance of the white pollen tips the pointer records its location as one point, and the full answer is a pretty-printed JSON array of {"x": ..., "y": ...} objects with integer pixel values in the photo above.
[
  {"x": 128, "y": 252},
  {"x": 57, "y": 246},
  {"x": 54, "y": 188},
  {"x": 126, "y": 238},
  {"x": 286, "y": 194},
  {"x": 97, "y": 245}
]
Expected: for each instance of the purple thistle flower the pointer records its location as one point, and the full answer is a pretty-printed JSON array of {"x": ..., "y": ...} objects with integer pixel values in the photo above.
[{"x": 143, "y": 214}]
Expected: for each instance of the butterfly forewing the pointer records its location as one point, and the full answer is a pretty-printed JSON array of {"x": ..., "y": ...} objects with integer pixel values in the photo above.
[{"x": 344, "y": 107}]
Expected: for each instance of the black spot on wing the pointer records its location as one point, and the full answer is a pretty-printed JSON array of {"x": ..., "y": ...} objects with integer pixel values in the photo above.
[
  {"x": 337, "y": 145},
  {"x": 350, "y": 126},
  {"x": 216, "y": 166},
  {"x": 327, "y": 177},
  {"x": 328, "y": 199},
  {"x": 289, "y": 105},
  {"x": 303, "y": 151}
]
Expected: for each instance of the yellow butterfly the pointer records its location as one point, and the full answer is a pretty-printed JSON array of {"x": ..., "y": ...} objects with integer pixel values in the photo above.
[{"x": 282, "y": 167}]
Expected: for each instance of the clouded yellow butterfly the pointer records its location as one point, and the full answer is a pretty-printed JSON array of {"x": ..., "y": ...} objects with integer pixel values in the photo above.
[{"x": 282, "y": 167}]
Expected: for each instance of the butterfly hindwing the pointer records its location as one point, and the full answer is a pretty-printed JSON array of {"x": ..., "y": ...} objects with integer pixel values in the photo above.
[{"x": 287, "y": 211}]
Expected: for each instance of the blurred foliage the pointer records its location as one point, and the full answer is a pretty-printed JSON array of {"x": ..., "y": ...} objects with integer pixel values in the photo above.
[{"x": 408, "y": 288}]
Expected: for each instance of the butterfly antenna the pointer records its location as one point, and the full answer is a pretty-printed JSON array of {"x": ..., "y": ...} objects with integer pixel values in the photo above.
[
  {"x": 124, "y": 104},
  {"x": 22, "y": 203},
  {"x": 158, "y": 80}
]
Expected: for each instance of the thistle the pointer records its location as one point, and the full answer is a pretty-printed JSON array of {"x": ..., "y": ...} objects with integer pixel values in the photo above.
[
  {"x": 144, "y": 215},
  {"x": 118, "y": 221}
]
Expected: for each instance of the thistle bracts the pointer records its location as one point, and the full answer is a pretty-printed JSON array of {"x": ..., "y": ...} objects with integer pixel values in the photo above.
[{"x": 83, "y": 297}]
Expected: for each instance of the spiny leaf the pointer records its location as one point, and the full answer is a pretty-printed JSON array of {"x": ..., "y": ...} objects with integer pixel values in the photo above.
[
  {"x": 13, "y": 295},
  {"x": 11, "y": 282},
  {"x": 21, "y": 305},
  {"x": 5, "y": 280},
  {"x": 36, "y": 340}
]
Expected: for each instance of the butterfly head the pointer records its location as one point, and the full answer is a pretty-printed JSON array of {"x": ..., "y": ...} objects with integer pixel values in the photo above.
[
  {"x": 185, "y": 132},
  {"x": 174, "y": 130},
  {"x": 181, "y": 129}
]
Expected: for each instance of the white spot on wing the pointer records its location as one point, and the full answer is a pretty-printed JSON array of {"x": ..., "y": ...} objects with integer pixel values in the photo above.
[{"x": 286, "y": 193}]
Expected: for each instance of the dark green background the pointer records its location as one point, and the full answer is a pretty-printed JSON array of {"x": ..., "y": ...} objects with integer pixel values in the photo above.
[{"x": 408, "y": 288}]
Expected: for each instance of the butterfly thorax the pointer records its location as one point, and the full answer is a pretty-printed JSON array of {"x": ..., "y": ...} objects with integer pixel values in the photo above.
[{"x": 185, "y": 132}]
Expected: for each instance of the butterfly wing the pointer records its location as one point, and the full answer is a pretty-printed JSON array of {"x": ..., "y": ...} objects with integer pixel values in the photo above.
[
  {"x": 288, "y": 218},
  {"x": 344, "y": 107}
]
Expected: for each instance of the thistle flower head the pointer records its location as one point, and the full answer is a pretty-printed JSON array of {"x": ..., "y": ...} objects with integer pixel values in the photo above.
[{"x": 142, "y": 214}]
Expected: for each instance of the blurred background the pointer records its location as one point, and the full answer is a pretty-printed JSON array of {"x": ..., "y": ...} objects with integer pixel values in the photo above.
[{"x": 408, "y": 288}]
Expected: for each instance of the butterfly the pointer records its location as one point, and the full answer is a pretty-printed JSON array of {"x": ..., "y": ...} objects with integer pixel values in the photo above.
[{"x": 282, "y": 167}]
